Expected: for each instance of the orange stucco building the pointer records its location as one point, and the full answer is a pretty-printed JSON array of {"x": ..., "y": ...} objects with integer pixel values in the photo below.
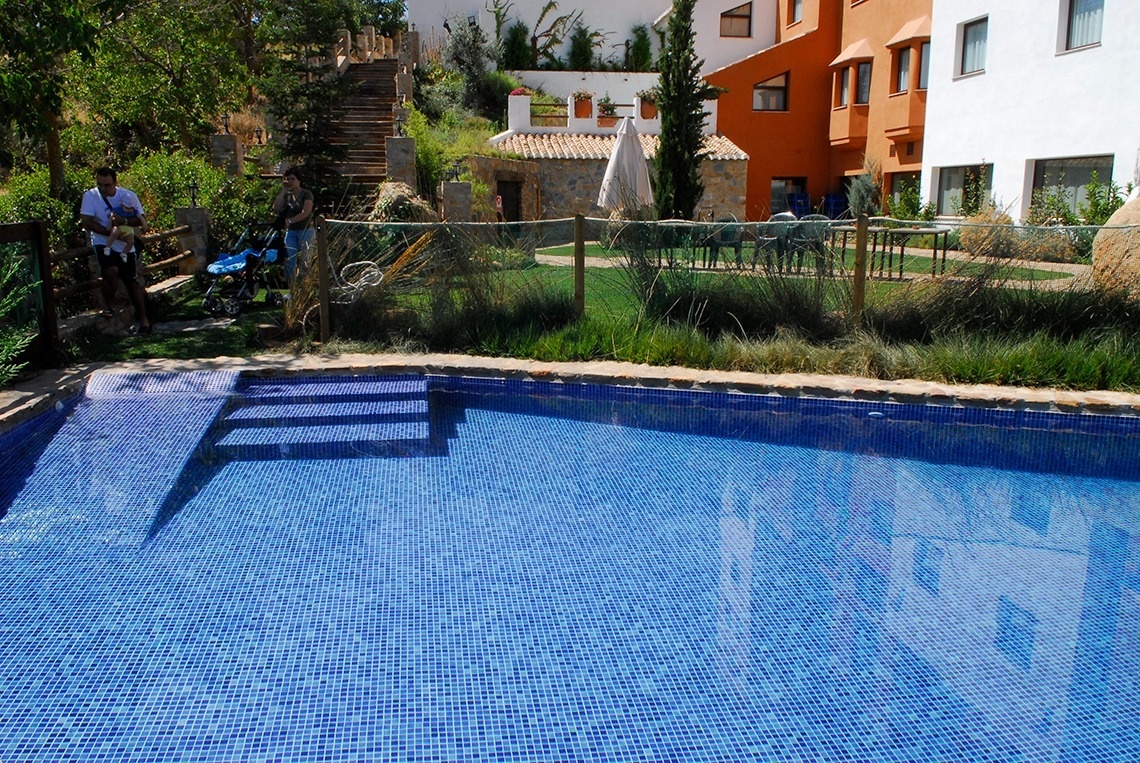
[{"x": 844, "y": 82}]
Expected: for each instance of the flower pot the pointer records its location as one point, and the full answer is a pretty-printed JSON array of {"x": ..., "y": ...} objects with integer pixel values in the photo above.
[
  {"x": 583, "y": 107},
  {"x": 608, "y": 120},
  {"x": 648, "y": 110}
]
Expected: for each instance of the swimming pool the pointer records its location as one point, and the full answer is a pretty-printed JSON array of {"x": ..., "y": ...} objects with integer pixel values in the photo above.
[{"x": 435, "y": 568}]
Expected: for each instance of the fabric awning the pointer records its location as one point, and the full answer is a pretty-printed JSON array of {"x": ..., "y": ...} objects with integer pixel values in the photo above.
[
  {"x": 859, "y": 50},
  {"x": 915, "y": 29}
]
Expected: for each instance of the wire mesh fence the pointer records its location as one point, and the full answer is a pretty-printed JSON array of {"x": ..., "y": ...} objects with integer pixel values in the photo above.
[{"x": 427, "y": 280}]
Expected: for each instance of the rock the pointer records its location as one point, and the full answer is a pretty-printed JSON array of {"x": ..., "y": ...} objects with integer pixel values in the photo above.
[{"x": 1116, "y": 251}]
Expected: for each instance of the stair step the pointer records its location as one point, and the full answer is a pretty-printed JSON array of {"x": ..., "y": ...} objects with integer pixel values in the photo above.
[
  {"x": 310, "y": 414},
  {"x": 334, "y": 433},
  {"x": 350, "y": 390}
]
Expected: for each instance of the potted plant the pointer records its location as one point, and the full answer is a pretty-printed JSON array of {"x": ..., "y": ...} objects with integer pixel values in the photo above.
[
  {"x": 607, "y": 112},
  {"x": 648, "y": 103},
  {"x": 583, "y": 103}
]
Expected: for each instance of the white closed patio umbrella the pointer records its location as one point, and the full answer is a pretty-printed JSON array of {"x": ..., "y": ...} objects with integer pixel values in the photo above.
[{"x": 626, "y": 183}]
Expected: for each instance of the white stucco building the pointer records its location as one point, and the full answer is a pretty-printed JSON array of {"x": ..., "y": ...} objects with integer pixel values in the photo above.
[{"x": 1037, "y": 91}]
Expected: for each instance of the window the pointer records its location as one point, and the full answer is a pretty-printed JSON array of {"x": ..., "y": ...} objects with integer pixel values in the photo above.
[
  {"x": 1085, "y": 19},
  {"x": 787, "y": 194},
  {"x": 923, "y": 65},
  {"x": 771, "y": 95},
  {"x": 796, "y": 11},
  {"x": 843, "y": 87},
  {"x": 863, "y": 82},
  {"x": 904, "y": 182},
  {"x": 902, "y": 70},
  {"x": 974, "y": 37},
  {"x": 1070, "y": 176},
  {"x": 737, "y": 22},
  {"x": 962, "y": 190}
]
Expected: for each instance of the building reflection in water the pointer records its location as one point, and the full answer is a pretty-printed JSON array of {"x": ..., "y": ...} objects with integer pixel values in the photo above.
[{"x": 942, "y": 608}]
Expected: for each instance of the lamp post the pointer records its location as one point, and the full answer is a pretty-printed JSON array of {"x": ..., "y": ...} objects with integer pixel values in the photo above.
[
  {"x": 226, "y": 122},
  {"x": 257, "y": 135},
  {"x": 453, "y": 173},
  {"x": 472, "y": 21},
  {"x": 399, "y": 122},
  {"x": 193, "y": 192}
]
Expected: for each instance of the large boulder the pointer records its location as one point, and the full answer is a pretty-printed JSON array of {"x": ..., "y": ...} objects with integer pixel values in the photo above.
[
  {"x": 398, "y": 203},
  {"x": 1116, "y": 251}
]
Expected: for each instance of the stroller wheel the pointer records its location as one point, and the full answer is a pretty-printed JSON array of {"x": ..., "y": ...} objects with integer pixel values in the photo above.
[
  {"x": 213, "y": 304},
  {"x": 232, "y": 307},
  {"x": 273, "y": 299}
]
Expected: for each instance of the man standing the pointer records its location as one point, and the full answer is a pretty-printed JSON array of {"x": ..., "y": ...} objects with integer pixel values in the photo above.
[{"x": 104, "y": 207}]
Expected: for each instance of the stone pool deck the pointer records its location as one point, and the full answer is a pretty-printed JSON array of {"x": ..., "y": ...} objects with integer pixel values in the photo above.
[{"x": 36, "y": 395}]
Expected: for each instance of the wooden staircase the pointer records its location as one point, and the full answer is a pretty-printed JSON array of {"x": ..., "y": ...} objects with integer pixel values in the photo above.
[{"x": 365, "y": 119}]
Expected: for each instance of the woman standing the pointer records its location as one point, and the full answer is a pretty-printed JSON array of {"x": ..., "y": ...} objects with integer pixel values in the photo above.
[{"x": 294, "y": 208}]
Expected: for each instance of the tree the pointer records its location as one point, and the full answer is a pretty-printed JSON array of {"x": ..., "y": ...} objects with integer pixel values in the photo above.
[
  {"x": 640, "y": 50},
  {"x": 167, "y": 64},
  {"x": 301, "y": 85},
  {"x": 546, "y": 41},
  {"x": 516, "y": 47},
  {"x": 681, "y": 105},
  {"x": 386, "y": 15},
  {"x": 38, "y": 38},
  {"x": 582, "y": 44}
]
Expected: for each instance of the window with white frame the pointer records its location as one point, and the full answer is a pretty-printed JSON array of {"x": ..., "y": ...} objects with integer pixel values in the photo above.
[
  {"x": 737, "y": 22},
  {"x": 795, "y": 11},
  {"x": 903, "y": 182},
  {"x": 843, "y": 87},
  {"x": 923, "y": 65},
  {"x": 1085, "y": 20},
  {"x": 1070, "y": 177},
  {"x": 962, "y": 188},
  {"x": 863, "y": 82},
  {"x": 973, "y": 53},
  {"x": 771, "y": 94},
  {"x": 902, "y": 70}
]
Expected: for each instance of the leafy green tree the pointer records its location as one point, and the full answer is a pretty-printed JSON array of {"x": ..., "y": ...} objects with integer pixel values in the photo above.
[
  {"x": 516, "y": 47},
  {"x": 468, "y": 52},
  {"x": 167, "y": 66},
  {"x": 681, "y": 105},
  {"x": 1102, "y": 200},
  {"x": 386, "y": 15},
  {"x": 301, "y": 85},
  {"x": 640, "y": 50},
  {"x": 38, "y": 40}
]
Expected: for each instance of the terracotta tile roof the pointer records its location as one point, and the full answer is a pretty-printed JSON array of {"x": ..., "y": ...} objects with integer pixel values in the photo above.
[{"x": 577, "y": 146}]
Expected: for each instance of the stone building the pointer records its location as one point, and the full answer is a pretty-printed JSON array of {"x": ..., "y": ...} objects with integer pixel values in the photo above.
[{"x": 562, "y": 160}]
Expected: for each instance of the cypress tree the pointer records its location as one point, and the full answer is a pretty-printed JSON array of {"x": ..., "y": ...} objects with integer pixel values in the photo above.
[{"x": 681, "y": 104}]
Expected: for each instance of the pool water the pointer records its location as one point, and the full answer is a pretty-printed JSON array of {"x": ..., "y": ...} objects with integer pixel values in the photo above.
[{"x": 207, "y": 568}]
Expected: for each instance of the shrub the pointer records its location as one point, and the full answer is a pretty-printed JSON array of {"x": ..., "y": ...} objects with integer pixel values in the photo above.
[
  {"x": 909, "y": 204},
  {"x": 162, "y": 182},
  {"x": 16, "y": 331},
  {"x": 582, "y": 43},
  {"x": 990, "y": 233},
  {"x": 27, "y": 197}
]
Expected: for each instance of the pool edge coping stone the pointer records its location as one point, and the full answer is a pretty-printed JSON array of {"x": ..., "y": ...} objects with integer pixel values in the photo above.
[{"x": 28, "y": 399}]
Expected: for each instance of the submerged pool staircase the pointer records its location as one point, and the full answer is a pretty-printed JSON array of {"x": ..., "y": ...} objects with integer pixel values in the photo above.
[
  {"x": 328, "y": 418},
  {"x": 314, "y": 418}
]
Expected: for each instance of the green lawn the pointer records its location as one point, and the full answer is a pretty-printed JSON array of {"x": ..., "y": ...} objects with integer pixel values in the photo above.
[{"x": 914, "y": 264}]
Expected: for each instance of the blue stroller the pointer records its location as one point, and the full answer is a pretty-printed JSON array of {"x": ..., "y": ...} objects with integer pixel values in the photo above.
[{"x": 238, "y": 275}]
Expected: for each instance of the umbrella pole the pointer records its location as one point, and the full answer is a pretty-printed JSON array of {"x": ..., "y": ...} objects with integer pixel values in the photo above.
[{"x": 580, "y": 263}]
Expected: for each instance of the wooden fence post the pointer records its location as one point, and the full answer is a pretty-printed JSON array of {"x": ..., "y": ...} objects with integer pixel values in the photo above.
[
  {"x": 860, "y": 290},
  {"x": 580, "y": 263},
  {"x": 323, "y": 276}
]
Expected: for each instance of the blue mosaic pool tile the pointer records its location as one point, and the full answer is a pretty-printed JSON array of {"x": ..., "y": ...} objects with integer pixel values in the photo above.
[{"x": 561, "y": 588}]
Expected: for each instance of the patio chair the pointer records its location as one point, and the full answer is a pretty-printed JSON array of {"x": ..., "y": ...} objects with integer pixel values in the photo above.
[
  {"x": 727, "y": 234},
  {"x": 809, "y": 236},
  {"x": 772, "y": 239}
]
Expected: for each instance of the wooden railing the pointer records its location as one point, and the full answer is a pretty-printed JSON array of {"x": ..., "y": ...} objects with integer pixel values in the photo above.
[{"x": 84, "y": 252}]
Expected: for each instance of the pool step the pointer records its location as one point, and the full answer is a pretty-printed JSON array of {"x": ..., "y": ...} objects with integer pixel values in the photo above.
[{"x": 339, "y": 417}]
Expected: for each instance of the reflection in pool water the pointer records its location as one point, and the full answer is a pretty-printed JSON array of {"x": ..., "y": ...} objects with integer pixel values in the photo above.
[{"x": 523, "y": 571}]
